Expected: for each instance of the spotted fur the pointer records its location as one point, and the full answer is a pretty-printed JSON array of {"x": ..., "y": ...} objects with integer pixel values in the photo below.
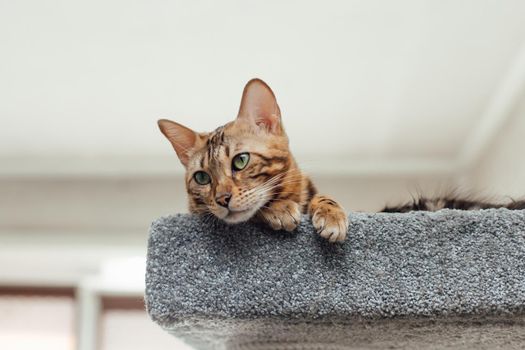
[{"x": 271, "y": 188}]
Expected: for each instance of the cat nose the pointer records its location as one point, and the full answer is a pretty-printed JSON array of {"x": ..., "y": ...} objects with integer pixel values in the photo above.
[{"x": 223, "y": 199}]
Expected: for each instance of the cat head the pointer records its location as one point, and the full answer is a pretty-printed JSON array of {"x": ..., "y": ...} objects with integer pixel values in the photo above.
[{"x": 233, "y": 171}]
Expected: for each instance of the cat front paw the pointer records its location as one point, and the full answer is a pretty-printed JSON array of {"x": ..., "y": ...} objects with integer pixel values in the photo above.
[
  {"x": 282, "y": 215},
  {"x": 331, "y": 222}
]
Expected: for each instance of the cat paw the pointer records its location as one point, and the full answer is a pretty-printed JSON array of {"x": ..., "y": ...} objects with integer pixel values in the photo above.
[
  {"x": 282, "y": 215},
  {"x": 331, "y": 223}
]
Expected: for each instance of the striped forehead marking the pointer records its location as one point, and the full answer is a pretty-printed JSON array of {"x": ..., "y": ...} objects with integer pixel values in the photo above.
[{"x": 213, "y": 145}]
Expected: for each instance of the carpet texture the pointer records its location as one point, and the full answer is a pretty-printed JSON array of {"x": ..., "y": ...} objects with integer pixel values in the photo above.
[{"x": 449, "y": 279}]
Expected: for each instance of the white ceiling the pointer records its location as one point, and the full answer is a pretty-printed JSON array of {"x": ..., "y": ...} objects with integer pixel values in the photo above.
[{"x": 377, "y": 82}]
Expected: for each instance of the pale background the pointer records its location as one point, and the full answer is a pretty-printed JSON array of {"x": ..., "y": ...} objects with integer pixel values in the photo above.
[{"x": 382, "y": 100}]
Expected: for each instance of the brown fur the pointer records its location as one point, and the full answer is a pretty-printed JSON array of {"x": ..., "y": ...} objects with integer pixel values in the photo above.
[
  {"x": 451, "y": 202},
  {"x": 271, "y": 188}
]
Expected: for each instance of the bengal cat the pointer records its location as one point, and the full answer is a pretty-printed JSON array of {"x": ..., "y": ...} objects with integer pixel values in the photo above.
[{"x": 244, "y": 170}]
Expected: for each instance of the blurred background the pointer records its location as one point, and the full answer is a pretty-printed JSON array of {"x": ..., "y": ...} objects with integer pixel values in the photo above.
[{"x": 382, "y": 100}]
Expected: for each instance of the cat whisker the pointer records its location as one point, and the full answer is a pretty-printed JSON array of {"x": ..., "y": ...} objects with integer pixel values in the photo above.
[
  {"x": 209, "y": 217},
  {"x": 278, "y": 177},
  {"x": 298, "y": 181},
  {"x": 263, "y": 191}
]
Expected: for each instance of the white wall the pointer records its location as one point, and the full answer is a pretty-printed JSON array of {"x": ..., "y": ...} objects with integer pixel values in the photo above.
[
  {"x": 395, "y": 82},
  {"x": 501, "y": 170}
]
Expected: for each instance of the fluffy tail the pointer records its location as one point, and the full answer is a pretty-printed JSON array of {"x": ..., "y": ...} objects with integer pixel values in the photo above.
[{"x": 434, "y": 204}]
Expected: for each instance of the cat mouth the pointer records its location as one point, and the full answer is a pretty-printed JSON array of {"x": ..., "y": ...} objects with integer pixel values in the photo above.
[{"x": 237, "y": 216}]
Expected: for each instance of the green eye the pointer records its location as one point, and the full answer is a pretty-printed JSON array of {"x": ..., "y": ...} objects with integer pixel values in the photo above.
[
  {"x": 240, "y": 161},
  {"x": 202, "y": 178}
]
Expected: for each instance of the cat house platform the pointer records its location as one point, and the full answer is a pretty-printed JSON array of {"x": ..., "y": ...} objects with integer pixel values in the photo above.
[{"x": 420, "y": 280}]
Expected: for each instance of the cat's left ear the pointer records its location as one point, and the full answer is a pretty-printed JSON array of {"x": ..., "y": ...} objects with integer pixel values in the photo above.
[{"x": 259, "y": 106}]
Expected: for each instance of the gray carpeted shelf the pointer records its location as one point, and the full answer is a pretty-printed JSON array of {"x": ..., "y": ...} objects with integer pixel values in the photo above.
[{"x": 450, "y": 279}]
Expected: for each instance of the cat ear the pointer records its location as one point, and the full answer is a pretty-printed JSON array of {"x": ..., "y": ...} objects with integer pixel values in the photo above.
[
  {"x": 182, "y": 138},
  {"x": 259, "y": 106}
]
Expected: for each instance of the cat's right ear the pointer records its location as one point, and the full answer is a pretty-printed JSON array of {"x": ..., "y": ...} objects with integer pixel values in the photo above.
[{"x": 182, "y": 138}]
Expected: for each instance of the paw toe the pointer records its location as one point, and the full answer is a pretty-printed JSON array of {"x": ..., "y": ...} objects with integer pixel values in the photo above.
[
  {"x": 332, "y": 226},
  {"x": 284, "y": 216}
]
